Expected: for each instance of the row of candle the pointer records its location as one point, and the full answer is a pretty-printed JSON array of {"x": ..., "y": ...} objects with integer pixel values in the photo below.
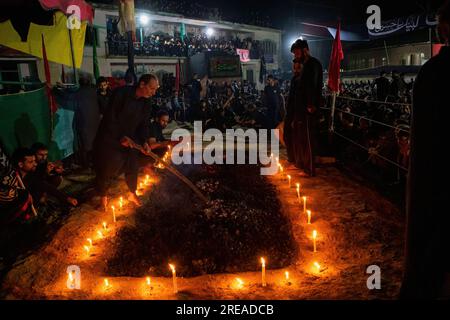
[
  {"x": 305, "y": 210},
  {"x": 239, "y": 282}
]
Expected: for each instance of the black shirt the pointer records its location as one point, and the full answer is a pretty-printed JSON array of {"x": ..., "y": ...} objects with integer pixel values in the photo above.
[
  {"x": 126, "y": 116},
  {"x": 155, "y": 131}
]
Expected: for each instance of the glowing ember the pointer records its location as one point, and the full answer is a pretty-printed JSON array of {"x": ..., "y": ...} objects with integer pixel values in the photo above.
[{"x": 240, "y": 283}]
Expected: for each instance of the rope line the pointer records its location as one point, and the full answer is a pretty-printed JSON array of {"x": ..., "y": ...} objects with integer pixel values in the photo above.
[{"x": 371, "y": 101}]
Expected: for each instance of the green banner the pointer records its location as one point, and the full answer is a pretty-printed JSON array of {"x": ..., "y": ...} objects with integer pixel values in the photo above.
[{"x": 25, "y": 119}]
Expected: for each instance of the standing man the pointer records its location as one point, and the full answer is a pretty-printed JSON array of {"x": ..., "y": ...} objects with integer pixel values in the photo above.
[
  {"x": 103, "y": 94},
  {"x": 427, "y": 265},
  {"x": 290, "y": 109},
  {"x": 86, "y": 119},
  {"x": 272, "y": 102},
  {"x": 307, "y": 99},
  {"x": 128, "y": 115},
  {"x": 382, "y": 84}
]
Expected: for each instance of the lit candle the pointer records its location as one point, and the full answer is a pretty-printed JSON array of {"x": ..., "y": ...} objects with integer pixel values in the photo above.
[
  {"x": 314, "y": 239},
  {"x": 309, "y": 216},
  {"x": 90, "y": 241},
  {"x": 147, "y": 281},
  {"x": 114, "y": 213},
  {"x": 286, "y": 275},
  {"x": 100, "y": 234},
  {"x": 87, "y": 249},
  {"x": 304, "y": 204},
  {"x": 289, "y": 180},
  {"x": 174, "y": 278},
  {"x": 141, "y": 185},
  {"x": 263, "y": 272},
  {"x": 298, "y": 190},
  {"x": 147, "y": 180},
  {"x": 104, "y": 226},
  {"x": 121, "y": 203}
]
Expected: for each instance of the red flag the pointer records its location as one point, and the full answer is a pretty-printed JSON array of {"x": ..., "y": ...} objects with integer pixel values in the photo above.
[
  {"x": 334, "y": 68},
  {"x": 51, "y": 100},
  {"x": 83, "y": 10}
]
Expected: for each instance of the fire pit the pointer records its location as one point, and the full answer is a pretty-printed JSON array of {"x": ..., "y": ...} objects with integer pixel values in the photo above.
[{"x": 242, "y": 222}]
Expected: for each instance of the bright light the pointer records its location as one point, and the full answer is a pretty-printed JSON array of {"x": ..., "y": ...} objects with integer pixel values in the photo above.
[
  {"x": 144, "y": 19},
  {"x": 209, "y": 32}
]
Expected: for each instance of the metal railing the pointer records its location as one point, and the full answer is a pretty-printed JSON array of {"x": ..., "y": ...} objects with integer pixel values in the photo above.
[{"x": 370, "y": 151}]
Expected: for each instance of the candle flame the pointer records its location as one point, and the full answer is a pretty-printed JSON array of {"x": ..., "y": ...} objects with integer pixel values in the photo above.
[
  {"x": 90, "y": 241},
  {"x": 289, "y": 177},
  {"x": 309, "y": 216},
  {"x": 172, "y": 267},
  {"x": 314, "y": 234},
  {"x": 297, "y": 185},
  {"x": 87, "y": 249},
  {"x": 240, "y": 283},
  {"x": 147, "y": 280},
  {"x": 106, "y": 282},
  {"x": 104, "y": 225},
  {"x": 70, "y": 277},
  {"x": 317, "y": 265},
  {"x": 113, "y": 208},
  {"x": 100, "y": 234},
  {"x": 263, "y": 262},
  {"x": 286, "y": 274},
  {"x": 304, "y": 199}
]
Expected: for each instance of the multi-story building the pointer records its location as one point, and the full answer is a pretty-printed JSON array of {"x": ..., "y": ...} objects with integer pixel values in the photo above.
[{"x": 158, "y": 48}]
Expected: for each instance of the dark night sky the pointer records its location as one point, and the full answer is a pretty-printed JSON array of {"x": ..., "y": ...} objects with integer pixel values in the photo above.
[{"x": 317, "y": 11}]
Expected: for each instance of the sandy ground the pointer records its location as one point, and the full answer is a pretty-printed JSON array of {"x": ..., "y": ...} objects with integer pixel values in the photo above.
[{"x": 355, "y": 227}]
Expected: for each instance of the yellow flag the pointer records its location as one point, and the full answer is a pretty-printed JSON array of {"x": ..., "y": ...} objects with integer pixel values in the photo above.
[{"x": 57, "y": 43}]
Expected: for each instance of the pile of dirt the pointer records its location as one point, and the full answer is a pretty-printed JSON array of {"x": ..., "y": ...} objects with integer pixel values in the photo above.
[{"x": 241, "y": 223}]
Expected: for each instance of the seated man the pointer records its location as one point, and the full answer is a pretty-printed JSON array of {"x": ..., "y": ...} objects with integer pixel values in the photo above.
[
  {"x": 156, "y": 141},
  {"x": 15, "y": 202},
  {"x": 49, "y": 171},
  {"x": 24, "y": 161}
]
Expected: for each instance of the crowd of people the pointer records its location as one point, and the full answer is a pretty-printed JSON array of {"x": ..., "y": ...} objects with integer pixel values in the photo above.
[
  {"x": 376, "y": 116},
  {"x": 158, "y": 44},
  {"x": 192, "y": 9}
]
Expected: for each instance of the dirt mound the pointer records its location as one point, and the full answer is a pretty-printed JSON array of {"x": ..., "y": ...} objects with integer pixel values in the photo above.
[{"x": 242, "y": 222}]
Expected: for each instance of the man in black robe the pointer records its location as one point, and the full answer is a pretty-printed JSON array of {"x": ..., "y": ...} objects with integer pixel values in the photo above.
[
  {"x": 288, "y": 120},
  {"x": 306, "y": 100},
  {"x": 127, "y": 115},
  {"x": 427, "y": 266}
]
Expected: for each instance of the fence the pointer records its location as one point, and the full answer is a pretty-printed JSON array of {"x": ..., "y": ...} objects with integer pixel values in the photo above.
[{"x": 339, "y": 124}]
